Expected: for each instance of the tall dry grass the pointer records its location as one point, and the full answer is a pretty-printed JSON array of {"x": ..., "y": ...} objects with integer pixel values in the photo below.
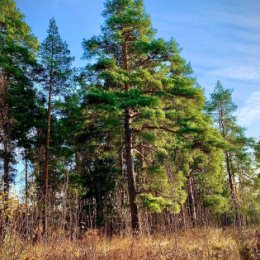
[{"x": 195, "y": 244}]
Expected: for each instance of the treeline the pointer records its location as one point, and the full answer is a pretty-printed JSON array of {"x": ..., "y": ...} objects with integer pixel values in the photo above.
[{"x": 126, "y": 143}]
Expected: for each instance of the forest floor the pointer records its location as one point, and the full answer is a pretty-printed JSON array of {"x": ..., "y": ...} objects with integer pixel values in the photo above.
[{"x": 195, "y": 244}]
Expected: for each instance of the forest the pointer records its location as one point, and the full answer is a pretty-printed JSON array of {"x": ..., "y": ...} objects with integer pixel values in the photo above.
[{"x": 124, "y": 158}]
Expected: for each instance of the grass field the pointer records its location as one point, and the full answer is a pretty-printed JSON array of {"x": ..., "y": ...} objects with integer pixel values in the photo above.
[{"x": 195, "y": 244}]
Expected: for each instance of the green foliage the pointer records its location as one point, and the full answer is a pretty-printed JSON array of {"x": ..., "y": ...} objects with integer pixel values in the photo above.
[
  {"x": 18, "y": 105},
  {"x": 134, "y": 84},
  {"x": 55, "y": 60},
  {"x": 166, "y": 106},
  {"x": 257, "y": 152},
  {"x": 239, "y": 164},
  {"x": 155, "y": 204},
  {"x": 218, "y": 203},
  {"x": 250, "y": 197},
  {"x": 109, "y": 94}
]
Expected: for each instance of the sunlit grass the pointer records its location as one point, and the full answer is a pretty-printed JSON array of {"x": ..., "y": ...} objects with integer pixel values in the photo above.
[{"x": 195, "y": 244}]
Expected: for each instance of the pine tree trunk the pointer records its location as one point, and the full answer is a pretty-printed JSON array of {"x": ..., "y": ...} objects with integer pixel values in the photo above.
[
  {"x": 183, "y": 218},
  {"x": 46, "y": 168},
  {"x": 222, "y": 128},
  {"x": 6, "y": 184},
  {"x": 129, "y": 157},
  {"x": 6, "y": 170},
  {"x": 232, "y": 189},
  {"x": 99, "y": 206},
  {"x": 130, "y": 173},
  {"x": 65, "y": 201},
  {"x": 5, "y": 124},
  {"x": 26, "y": 195},
  {"x": 192, "y": 206},
  {"x": 26, "y": 183}
]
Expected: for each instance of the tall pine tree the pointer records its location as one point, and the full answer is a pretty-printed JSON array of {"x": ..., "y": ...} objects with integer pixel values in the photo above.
[
  {"x": 136, "y": 84},
  {"x": 17, "y": 97},
  {"x": 56, "y": 62},
  {"x": 238, "y": 158}
]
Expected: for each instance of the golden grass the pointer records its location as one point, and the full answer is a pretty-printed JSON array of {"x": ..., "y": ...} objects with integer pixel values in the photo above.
[{"x": 195, "y": 244}]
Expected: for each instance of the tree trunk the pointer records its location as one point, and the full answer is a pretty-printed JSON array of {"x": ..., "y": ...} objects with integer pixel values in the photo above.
[
  {"x": 6, "y": 170},
  {"x": 232, "y": 189},
  {"x": 5, "y": 133},
  {"x": 46, "y": 168},
  {"x": 65, "y": 201},
  {"x": 183, "y": 218},
  {"x": 129, "y": 157},
  {"x": 130, "y": 173},
  {"x": 5, "y": 125},
  {"x": 192, "y": 207},
  {"x": 26, "y": 183},
  {"x": 230, "y": 173},
  {"x": 26, "y": 195},
  {"x": 6, "y": 181}
]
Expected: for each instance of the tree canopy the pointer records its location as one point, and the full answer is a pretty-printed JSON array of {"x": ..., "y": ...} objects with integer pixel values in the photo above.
[{"x": 129, "y": 141}]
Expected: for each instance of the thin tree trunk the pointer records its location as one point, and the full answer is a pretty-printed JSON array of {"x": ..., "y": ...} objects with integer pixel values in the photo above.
[
  {"x": 6, "y": 170},
  {"x": 129, "y": 157},
  {"x": 183, "y": 217},
  {"x": 26, "y": 183},
  {"x": 192, "y": 206},
  {"x": 46, "y": 168},
  {"x": 232, "y": 189},
  {"x": 6, "y": 128},
  {"x": 6, "y": 125},
  {"x": 230, "y": 173},
  {"x": 6, "y": 184},
  {"x": 47, "y": 147},
  {"x": 6, "y": 180},
  {"x": 130, "y": 173},
  {"x": 26, "y": 195},
  {"x": 65, "y": 201}
]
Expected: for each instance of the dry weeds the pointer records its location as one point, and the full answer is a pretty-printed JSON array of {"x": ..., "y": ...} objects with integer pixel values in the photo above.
[{"x": 196, "y": 244}]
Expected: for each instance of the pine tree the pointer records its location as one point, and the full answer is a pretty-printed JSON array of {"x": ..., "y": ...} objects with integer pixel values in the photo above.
[
  {"x": 56, "y": 61},
  {"x": 247, "y": 171},
  {"x": 197, "y": 151},
  {"x": 238, "y": 158},
  {"x": 137, "y": 84},
  {"x": 17, "y": 59}
]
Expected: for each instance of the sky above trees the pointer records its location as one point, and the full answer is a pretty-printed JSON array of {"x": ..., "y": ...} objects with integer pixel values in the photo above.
[{"x": 221, "y": 39}]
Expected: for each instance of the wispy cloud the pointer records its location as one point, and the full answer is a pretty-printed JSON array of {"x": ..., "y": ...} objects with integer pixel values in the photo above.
[
  {"x": 250, "y": 112},
  {"x": 250, "y": 72},
  {"x": 251, "y": 22}
]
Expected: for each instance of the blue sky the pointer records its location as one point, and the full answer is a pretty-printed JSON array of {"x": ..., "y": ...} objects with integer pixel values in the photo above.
[{"x": 220, "y": 38}]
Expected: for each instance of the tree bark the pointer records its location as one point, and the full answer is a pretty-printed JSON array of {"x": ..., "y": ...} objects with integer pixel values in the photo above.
[
  {"x": 230, "y": 173},
  {"x": 26, "y": 183},
  {"x": 130, "y": 173},
  {"x": 232, "y": 189},
  {"x": 192, "y": 207},
  {"x": 129, "y": 157},
  {"x": 26, "y": 194},
  {"x": 47, "y": 148},
  {"x": 5, "y": 125},
  {"x": 6, "y": 170}
]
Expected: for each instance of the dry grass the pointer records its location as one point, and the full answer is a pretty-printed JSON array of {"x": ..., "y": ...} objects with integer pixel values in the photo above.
[{"x": 196, "y": 244}]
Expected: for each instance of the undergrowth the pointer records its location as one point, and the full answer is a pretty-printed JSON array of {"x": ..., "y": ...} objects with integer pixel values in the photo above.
[{"x": 195, "y": 244}]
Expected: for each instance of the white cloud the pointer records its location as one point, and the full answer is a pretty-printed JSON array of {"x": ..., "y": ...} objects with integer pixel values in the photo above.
[{"x": 250, "y": 112}]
